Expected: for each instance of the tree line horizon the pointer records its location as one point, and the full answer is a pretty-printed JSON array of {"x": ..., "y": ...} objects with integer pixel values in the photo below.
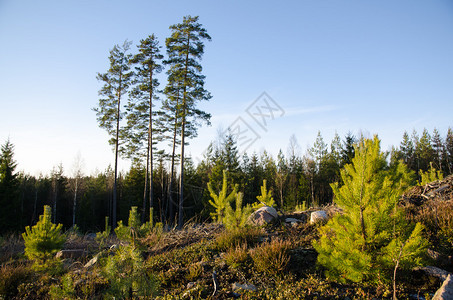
[{"x": 295, "y": 180}]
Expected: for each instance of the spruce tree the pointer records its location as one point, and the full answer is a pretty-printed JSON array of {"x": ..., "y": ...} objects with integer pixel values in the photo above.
[
  {"x": 424, "y": 151},
  {"x": 407, "y": 151},
  {"x": 438, "y": 148},
  {"x": 449, "y": 151},
  {"x": 9, "y": 190},
  {"x": 351, "y": 243},
  {"x": 347, "y": 149}
]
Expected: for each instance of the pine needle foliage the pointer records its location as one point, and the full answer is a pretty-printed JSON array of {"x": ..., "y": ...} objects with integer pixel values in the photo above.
[
  {"x": 351, "y": 243},
  {"x": 404, "y": 252},
  {"x": 127, "y": 275},
  {"x": 431, "y": 175},
  {"x": 237, "y": 218},
  {"x": 101, "y": 237},
  {"x": 134, "y": 229},
  {"x": 43, "y": 240},
  {"x": 222, "y": 200},
  {"x": 265, "y": 199}
]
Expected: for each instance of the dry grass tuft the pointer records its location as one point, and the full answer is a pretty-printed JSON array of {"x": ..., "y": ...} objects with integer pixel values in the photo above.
[
  {"x": 228, "y": 239},
  {"x": 271, "y": 257},
  {"x": 11, "y": 246},
  {"x": 11, "y": 276},
  {"x": 238, "y": 256}
]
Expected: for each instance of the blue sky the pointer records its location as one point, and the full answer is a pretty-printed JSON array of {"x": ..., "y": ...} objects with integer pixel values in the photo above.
[{"x": 335, "y": 66}]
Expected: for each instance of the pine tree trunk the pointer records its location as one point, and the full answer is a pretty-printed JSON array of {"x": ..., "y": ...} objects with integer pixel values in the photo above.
[
  {"x": 114, "y": 201},
  {"x": 33, "y": 217},
  {"x": 75, "y": 201},
  {"x": 54, "y": 206},
  {"x": 145, "y": 190},
  {"x": 183, "y": 123},
  {"x": 150, "y": 143},
  {"x": 181, "y": 176},
  {"x": 170, "y": 186}
]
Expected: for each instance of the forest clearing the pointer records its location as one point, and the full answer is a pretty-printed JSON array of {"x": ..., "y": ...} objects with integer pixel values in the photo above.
[{"x": 172, "y": 210}]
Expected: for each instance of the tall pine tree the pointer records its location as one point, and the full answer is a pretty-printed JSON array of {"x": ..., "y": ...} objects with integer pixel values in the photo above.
[
  {"x": 185, "y": 48},
  {"x": 141, "y": 116},
  {"x": 109, "y": 113}
]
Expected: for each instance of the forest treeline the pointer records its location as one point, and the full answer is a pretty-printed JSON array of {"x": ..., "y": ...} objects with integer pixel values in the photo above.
[{"x": 295, "y": 180}]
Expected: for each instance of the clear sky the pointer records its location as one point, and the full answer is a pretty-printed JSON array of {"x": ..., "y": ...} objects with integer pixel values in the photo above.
[{"x": 335, "y": 66}]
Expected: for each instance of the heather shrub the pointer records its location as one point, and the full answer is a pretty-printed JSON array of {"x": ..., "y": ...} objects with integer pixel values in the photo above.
[
  {"x": 238, "y": 256},
  {"x": 194, "y": 272},
  {"x": 271, "y": 257},
  {"x": 230, "y": 238},
  {"x": 79, "y": 285},
  {"x": 11, "y": 246},
  {"x": 11, "y": 276}
]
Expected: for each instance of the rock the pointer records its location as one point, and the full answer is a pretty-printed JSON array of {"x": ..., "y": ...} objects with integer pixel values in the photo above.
[
  {"x": 434, "y": 271},
  {"x": 247, "y": 287},
  {"x": 90, "y": 236},
  {"x": 263, "y": 215},
  {"x": 292, "y": 220},
  {"x": 92, "y": 261},
  {"x": 73, "y": 253},
  {"x": 446, "y": 290},
  {"x": 318, "y": 216},
  {"x": 191, "y": 285}
]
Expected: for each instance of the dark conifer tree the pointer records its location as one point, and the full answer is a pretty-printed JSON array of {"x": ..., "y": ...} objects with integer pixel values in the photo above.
[
  {"x": 449, "y": 150},
  {"x": 347, "y": 151},
  {"x": 407, "y": 151},
  {"x": 438, "y": 149},
  {"x": 424, "y": 151},
  {"x": 9, "y": 189}
]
